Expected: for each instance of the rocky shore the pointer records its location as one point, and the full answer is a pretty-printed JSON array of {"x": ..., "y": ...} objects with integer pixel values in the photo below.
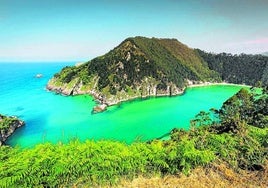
[
  {"x": 149, "y": 90},
  {"x": 7, "y": 127},
  {"x": 103, "y": 101},
  {"x": 202, "y": 84}
]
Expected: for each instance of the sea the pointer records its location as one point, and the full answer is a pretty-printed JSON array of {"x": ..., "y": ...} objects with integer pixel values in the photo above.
[{"x": 51, "y": 117}]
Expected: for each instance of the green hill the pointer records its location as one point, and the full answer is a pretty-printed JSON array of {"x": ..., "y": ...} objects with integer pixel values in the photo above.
[
  {"x": 141, "y": 67},
  {"x": 238, "y": 69},
  {"x": 138, "y": 67}
]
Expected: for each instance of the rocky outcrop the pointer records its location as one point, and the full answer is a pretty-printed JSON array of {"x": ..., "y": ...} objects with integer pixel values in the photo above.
[
  {"x": 147, "y": 88},
  {"x": 73, "y": 88},
  {"x": 99, "y": 108},
  {"x": 7, "y": 127}
]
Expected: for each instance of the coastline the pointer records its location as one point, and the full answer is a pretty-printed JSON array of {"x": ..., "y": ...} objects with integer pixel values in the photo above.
[
  {"x": 102, "y": 104},
  {"x": 11, "y": 124},
  {"x": 216, "y": 84}
]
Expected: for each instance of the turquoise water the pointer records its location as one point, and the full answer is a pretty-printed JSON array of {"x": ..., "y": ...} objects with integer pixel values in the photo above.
[{"x": 54, "y": 118}]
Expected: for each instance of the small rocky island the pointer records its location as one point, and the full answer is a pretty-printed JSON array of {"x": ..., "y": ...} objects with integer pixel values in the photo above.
[
  {"x": 8, "y": 124},
  {"x": 141, "y": 67},
  {"x": 38, "y": 75}
]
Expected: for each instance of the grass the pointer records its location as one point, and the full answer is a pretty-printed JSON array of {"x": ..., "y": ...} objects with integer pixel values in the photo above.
[
  {"x": 215, "y": 175},
  {"x": 107, "y": 163}
]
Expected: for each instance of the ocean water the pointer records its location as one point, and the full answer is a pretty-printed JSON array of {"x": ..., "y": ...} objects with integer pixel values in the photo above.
[{"x": 54, "y": 118}]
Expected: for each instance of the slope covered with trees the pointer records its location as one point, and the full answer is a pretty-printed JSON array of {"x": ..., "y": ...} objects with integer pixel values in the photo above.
[
  {"x": 235, "y": 135},
  {"x": 138, "y": 67},
  {"x": 141, "y": 67},
  {"x": 238, "y": 69}
]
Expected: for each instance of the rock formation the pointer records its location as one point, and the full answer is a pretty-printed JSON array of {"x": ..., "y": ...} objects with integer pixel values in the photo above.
[{"x": 7, "y": 126}]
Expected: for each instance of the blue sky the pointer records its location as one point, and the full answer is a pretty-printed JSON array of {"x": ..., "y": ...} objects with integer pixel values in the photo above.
[{"x": 78, "y": 30}]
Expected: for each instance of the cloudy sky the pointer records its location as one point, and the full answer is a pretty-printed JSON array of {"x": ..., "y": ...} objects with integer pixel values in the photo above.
[{"x": 78, "y": 30}]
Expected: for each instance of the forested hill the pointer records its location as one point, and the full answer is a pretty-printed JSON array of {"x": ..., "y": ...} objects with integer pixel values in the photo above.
[
  {"x": 141, "y": 67},
  {"x": 238, "y": 69},
  {"x": 138, "y": 67}
]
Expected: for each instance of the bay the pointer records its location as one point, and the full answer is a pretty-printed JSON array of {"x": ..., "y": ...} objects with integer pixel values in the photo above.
[{"x": 54, "y": 118}]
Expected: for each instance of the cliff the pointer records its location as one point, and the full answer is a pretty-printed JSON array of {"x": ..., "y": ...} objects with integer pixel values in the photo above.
[
  {"x": 7, "y": 126},
  {"x": 138, "y": 67}
]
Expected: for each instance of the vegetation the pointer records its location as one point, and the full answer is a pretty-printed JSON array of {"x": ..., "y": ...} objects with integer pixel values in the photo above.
[
  {"x": 5, "y": 122},
  {"x": 8, "y": 126},
  {"x": 213, "y": 175},
  {"x": 238, "y": 69},
  {"x": 235, "y": 135},
  {"x": 137, "y": 65},
  {"x": 141, "y": 67}
]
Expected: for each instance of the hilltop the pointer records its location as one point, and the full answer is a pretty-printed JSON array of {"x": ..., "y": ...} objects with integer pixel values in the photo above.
[{"x": 142, "y": 67}]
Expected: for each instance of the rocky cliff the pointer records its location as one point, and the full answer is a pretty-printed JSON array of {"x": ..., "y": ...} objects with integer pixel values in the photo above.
[
  {"x": 7, "y": 126},
  {"x": 138, "y": 67}
]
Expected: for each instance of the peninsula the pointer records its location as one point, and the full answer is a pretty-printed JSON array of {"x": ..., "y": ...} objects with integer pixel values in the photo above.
[
  {"x": 7, "y": 126},
  {"x": 142, "y": 67}
]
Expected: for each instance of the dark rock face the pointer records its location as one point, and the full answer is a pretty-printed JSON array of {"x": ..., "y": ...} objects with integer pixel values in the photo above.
[{"x": 7, "y": 127}]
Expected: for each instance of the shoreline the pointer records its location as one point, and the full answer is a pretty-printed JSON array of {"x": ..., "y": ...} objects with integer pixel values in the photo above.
[
  {"x": 13, "y": 123},
  {"x": 103, "y": 106},
  {"x": 216, "y": 84}
]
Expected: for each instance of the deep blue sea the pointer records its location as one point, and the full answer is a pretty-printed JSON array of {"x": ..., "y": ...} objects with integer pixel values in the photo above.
[{"x": 54, "y": 118}]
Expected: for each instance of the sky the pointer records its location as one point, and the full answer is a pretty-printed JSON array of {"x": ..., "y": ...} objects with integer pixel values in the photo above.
[{"x": 79, "y": 30}]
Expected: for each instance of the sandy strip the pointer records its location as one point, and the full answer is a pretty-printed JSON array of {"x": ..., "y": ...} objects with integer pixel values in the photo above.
[{"x": 214, "y": 84}]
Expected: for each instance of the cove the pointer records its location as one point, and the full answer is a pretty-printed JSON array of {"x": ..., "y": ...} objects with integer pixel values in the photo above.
[
  {"x": 138, "y": 120},
  {"x": 55, "y": 118}
]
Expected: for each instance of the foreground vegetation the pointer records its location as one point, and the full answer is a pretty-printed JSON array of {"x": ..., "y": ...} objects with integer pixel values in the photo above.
[
  {"x": 236, "y": 135},
  {"x": 213, "y": 175}
]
